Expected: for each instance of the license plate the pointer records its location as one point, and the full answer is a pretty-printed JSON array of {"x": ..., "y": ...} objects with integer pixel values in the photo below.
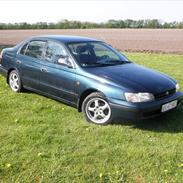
[{"x": 168, "y": 106}]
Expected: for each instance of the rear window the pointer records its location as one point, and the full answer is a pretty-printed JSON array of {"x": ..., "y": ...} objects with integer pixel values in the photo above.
[{"x": 35, "y": 49}]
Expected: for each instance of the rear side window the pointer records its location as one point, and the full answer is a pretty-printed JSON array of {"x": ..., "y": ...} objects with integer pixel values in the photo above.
[
  {"x": 54, "y": 51},
  {"x": 22, "y": 51},
  {"x": 35, "y": 49}
]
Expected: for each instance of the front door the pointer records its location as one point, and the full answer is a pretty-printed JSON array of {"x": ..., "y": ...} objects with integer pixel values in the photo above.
[{"x": 57, "y": 79}]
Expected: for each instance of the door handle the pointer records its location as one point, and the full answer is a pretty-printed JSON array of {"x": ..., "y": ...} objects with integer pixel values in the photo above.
[
  {"x": 43, "y": 69},
  {"x": 18, "y": 62}
]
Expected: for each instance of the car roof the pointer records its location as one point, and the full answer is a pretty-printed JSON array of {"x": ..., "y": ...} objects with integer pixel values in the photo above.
[{"x": 65, "y": 38}]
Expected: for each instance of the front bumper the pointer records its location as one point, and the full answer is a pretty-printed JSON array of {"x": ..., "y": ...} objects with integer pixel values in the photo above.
[{"x": 139, "y": 111}]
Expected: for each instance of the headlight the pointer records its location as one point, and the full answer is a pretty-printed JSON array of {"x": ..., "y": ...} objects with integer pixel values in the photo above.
[
  {"x": 139, "y": 97},
  {"x": 177, "y": 87}
]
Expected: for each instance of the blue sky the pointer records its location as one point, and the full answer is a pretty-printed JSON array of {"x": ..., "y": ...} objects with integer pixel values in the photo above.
[{"x": 95, "y": 11}]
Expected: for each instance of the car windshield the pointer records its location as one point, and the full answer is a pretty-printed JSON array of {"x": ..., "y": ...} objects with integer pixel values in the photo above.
[{"x": 96, "y": 54}]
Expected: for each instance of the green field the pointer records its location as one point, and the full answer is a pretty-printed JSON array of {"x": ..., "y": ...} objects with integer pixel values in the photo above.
[{"x": 42, "y": 140}]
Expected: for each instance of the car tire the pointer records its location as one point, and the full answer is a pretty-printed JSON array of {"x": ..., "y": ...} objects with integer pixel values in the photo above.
[
  {"x": 15, "y": 81},
  {"x": 97, "y": 109}
]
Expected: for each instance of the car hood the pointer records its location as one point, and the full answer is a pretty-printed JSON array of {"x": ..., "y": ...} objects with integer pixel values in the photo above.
[{"x": 134, "y": 77}]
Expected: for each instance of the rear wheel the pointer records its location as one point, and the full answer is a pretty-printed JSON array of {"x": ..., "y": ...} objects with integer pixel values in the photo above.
[
  {"x": 15, "y": 81},
  {"x": 96, "y": 109}
]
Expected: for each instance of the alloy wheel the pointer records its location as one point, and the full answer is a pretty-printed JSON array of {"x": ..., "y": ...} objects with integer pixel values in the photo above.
[
  {"x": 14, "y": 81},
  {"x": 98, "y": 110}
]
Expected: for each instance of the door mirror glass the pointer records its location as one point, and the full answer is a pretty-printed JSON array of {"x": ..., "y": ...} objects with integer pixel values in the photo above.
[{"x": 64, "y": 60}]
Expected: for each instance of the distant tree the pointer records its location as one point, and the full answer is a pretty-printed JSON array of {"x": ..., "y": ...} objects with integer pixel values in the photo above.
[
  {"x": 153, "y": 24},
  {"x": 166, "y": 25},
  {"x": 66, "y": 24},
  {"x": 180, "y": 25}
]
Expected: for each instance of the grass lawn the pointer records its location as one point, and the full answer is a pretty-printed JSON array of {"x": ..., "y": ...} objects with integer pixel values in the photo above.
[{"x": 42, "y": 140}]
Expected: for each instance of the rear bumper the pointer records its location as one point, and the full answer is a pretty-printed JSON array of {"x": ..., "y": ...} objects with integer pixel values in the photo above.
[
  {"x": 139, "y": 111},
  {"x": 3, "y": 71}
]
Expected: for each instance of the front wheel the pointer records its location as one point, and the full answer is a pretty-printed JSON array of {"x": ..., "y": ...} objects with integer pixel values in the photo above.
[
  {"x": 15, "y": 81},
  {"x": 96, "y": 109}
]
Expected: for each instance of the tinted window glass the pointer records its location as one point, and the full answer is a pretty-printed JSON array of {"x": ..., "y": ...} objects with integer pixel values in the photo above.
[
  {"x": 54, "y": 51},
  {"x": 96, "y": 54},
  {"x": 22, "y": 51},
  {"x": 35, "y": 49},
  {"x": 102, "y": 51}
]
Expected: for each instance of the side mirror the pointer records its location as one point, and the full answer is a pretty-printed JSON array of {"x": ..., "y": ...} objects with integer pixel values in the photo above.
[{"x": 64, "y": 60}]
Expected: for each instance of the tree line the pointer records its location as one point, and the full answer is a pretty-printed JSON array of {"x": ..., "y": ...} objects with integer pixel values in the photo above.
[{"x": 66, "y": 24}]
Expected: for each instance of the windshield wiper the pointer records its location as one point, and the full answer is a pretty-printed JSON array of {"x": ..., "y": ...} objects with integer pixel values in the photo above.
[
  {"x": 117, "y": 62},
  {"x": 87, "y": 64},
  {"x": 97, "y": 64},
  {"x": 107, "y": 63}
]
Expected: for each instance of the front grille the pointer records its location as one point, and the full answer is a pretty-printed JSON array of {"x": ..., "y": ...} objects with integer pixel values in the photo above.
[{"x": 165, "y": 94}]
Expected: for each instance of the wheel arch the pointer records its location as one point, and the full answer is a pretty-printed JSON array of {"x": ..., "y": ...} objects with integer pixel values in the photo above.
[
  {"x": 9, "y": 70},
  {"x": 84, "y": 95}
]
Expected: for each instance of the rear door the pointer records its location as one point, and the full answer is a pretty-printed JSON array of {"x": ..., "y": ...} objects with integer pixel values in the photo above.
[
  {"x": 57, "y": 79},
  {"x": 28, "y": 61}
]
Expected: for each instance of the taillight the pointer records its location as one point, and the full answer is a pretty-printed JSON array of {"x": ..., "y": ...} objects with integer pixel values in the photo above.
[{"x": 1, "y": 55}]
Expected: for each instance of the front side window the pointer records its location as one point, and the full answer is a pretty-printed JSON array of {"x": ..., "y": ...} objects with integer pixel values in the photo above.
[
  {"x": 55, "y": 51},
  {"x": 96, "y": 54},
  {"x": 35, "y": 49}
]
